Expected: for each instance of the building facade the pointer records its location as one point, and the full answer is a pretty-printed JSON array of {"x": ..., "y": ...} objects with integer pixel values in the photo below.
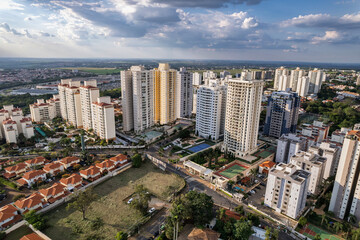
[
  {"x": 288, "y": 145},
  {"x": 88, "y": 94},
  {"x": 184, "y": 93},
  {"x": 104, "y": 118}
]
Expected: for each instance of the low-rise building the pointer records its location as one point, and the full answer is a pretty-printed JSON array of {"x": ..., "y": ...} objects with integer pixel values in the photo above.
[
  {"x": 91, "y": 173},
  {"x": 265, "y": 167},
  {"x": 72, "y": 182},
  {"x": 15, "y": 171},
  {"x": 36, "y": 161},
  {"x": 106, "y": 166},
  {"x": 54, "y": 168},
  {"x": 8, "y": 216},
  {"x": 54, "y": 193},
  {"x": 35, "y": 202},
  {"x": 286, "y": 189},
  {"x": 31, "y": 177},
  {"x": 119, "y": 159},
  {"x": 69, "y": 161}
]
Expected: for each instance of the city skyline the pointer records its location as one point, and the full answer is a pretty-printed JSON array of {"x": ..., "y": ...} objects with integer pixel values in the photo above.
[{"x": 233, "y": 30}]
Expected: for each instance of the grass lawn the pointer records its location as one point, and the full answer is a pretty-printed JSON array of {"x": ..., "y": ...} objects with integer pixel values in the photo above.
[
  {"x": 18, "y": 233},
  {"x": 111, "y": 208},
  {"x": 100, "y": 71}
]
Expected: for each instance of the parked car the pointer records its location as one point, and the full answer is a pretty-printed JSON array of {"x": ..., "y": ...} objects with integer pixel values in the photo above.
[
  {"x": 152, "y": 210},
  {"x": 252, "y": 191},
  {"x": 258, "y": 187},
  {"x": 130, "y": 200},
  {"x": 263, "y": 184}
]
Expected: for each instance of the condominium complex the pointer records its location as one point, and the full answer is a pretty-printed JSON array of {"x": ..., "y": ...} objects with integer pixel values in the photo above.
[
  {"x": 184, "y": 93},
  {"x": 303, "y": 86},
  {"x": 295, "y": 75},
  {"x": 345, "y": 198},
  {"x": 103, "y": 118},
  {"x": 137, "y": 99},
  {"x": 312, "y": 163},
  {"x": 88, "y": 94},
  {"x": 243, "y": 107},
  {"x": 164, "y": 94},
  {"x": 331, "y": 153},
  {"x": 13, "y": 123},
  {"x": 210, "y": 113},
  {"x": 286, "y": 189},
  {"x": 278, "y": 73},
  {"x": 316, "y": 132},
  {"x": 282, "y": 113},
  {"x": 316, "y": 77},
  {"x": 81, "y": 107},
  {"x": 43, "y": 111},
  {"x": 288, "y": 145}
]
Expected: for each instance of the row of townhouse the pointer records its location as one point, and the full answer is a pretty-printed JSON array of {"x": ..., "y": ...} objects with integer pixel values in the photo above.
[{"x": 20, "y": 168}]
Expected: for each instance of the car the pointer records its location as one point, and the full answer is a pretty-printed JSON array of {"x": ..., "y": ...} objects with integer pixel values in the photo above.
[
  {"x": 256, "y": 181},
  {"x": 252, "y": 191},
  {"x": 258, "y": 187},
  {"x": 130, "y": 200},
  {"x": 152, "y": 210},
  {"x": 263, "y": 184}
]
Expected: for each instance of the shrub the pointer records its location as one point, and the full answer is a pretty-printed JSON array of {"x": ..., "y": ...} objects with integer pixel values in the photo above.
[
  {"x": 17, "y": 197},
  {"x": 97, "y": 223},
  {"x": 2, "y": 235},
  {"x": 65, "y": 175}
]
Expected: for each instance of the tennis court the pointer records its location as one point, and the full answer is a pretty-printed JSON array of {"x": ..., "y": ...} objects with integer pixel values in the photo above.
[
  {"x": 198, "y": 148},
  {"x": 232, "y": 171},
  {"x": 311, "y": 231}
]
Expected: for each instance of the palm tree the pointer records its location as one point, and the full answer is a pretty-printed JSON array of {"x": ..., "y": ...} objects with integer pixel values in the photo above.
[
  {"x": 317, "y": 237},
  {"x": 355, "y": 234},
  {"x": 323, "y": 218},
  {"x": 338, "y": 227},
  {"x": 253, "y": 173}
]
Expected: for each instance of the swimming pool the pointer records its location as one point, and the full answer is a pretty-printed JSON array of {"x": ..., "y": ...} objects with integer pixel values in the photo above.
[{"x": 199, "y": 147}]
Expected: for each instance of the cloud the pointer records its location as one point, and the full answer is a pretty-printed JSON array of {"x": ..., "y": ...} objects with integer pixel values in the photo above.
[
  {"x": 348, "y": 21},
  {"x": 329, "y": 36},
  {"x": 10, "y": 5},
  {"x": 204, "y": 3},
  {"x": 8, "y": 29},
  {"x": 31, "y": 18}
]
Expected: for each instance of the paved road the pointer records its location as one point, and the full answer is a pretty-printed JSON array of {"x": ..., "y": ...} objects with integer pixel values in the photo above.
[{"x": 152, "y": 228}]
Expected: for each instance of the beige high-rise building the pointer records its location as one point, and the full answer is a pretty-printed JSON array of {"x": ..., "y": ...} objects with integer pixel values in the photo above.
[
  {"x": 286, "y": 189},
  {"x": 42, "y": 111},
  {"x": 316, "y": 77},
  {"x": 164, "y": 94},
  {"x": 127, "y": 100},
  {"x": 89, "y": 93},
  {"x": 345, "y": 197},
  {"x": 103, "y": 118},
  {"x": 243, "y": 107}
]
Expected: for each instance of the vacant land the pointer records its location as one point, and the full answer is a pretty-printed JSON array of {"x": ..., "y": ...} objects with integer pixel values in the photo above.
[
  {"x": 111, "y": 207},
  {"x": 100, "y": 71},
  {"x": 18, "y": 233}
]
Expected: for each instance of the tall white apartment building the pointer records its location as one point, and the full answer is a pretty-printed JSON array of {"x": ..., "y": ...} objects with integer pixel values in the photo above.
[
  {"x": 312, "y": 163},
  {"x": 164, "y": 94},
  {"x": 288, "y": 145},
  {"x": 243, "y": 107},
  {"x": 284, "y": 83},
  {"x": 345, "y": 198},
  {"x": 286, "y": 189},
  {"x": 197, "y": 79},
  {"x": 331, "y": 153},
  {"x": 316, "y": 77},
  {"x": 184, "y": 94},
  {"x": 104, "y": 118},
  {"x": 209, "y": 75},
  {"x": 303, "y": 86},
  {"x": 295, "y": 75},
  {"x": 42, "y": 111},
  {"x": 210, "y": 113},
  {"x": 282, "y": 71},
  {"x": 70, "y": 102},
  {"x": 127, "y": 100},
  {"x": 10, "y": 130},
  {"x": 27, "y": 128},
  {"x": 89, "y": 93},
  {"x": 138, "y": 99}
]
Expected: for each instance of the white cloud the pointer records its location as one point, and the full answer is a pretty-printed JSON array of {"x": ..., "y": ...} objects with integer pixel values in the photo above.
[
  {"x": 329, "y": 36},
  {"x": 10, "y": 5}
]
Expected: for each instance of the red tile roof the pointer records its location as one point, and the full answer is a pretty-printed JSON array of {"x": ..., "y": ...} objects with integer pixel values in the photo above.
[
  {"x": 25, "y": 120},
  {"x": 33, "y": 174},
  {"x": 31, "y": 236},
  {"x": 7, "y": 212},
  {"x": 16, "y": 168},
  {"x": 120, "y": 157},
  {"x": 73, "y": 179},
  {"x": 267, "y": 164},
  {"x": 105, "y": 164},
  {"x": 51, "y": 166},
  {"x": 37, "y": 160},
  {"x": 29, "y": 202},
  {"x": 68, "y": 160},
  {"x": 55, "y": 189},
  {"x": 92, "y": 170}
]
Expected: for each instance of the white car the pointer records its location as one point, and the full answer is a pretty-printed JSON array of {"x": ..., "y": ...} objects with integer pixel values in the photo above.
[
  {"x": 152, "y": 210},
  {"x": 130, "y": 200}
]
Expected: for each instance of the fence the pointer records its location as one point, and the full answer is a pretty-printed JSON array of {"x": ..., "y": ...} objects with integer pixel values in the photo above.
[
  {"x": 193, "y": 154},
  {"x": 160, "y": 164}
]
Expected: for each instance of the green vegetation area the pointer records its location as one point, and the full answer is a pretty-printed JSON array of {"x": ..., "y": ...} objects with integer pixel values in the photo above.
[
  {"x": 18, "y": 233},
  {"x": 98, "y": 71},
  {"x": 113, "y": 93},
  {"x": 5, "y": 182},
  {"x": 22, "y": 101},
  {"x": 341, "y": 114},
  {"x": 110, "y": 213}
]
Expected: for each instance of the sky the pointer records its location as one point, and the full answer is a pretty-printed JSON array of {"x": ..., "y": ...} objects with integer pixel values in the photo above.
[{"x": 264, "y": 30}]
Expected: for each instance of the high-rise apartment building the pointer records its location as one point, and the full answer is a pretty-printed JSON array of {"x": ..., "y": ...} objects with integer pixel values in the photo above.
[
  {"x": 278, "y": 73},
  {"x": 284, "y": 83},
  {"x": 210, "y": 113},
  {"x": 127, "y": 100},
  {"x": 345, "y": 197},
  {"x": 295, "y": 75},
  {"x": 286, "y": 189},
  {"x": 243, "y": 107},
  {"x": 184, "y": 93},
  {"x": 164, "y": 94},
  {"x": 282, "y": 113},
  {"x": 197, "y": 79},
  {"x": 104, "y": 118},
  {"x": 316, "y": 77},
  {"x": 89, "y": 93},
  {"x": 42, "y": 111},
  {"x": 288, "y": 145},
  {"x": 316, "y": 132},
  {"x": 303, "y": 86},
  {"x": 331, "y": 153},
  {"x": 312, "y": 163}
]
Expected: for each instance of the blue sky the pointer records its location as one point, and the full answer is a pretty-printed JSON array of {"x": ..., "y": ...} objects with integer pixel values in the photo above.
[{"x": 292, "y": 30}]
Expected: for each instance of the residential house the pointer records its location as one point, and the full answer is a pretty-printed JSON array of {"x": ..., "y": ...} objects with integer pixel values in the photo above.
[
  {"x": 74, "y": 181},
  {"x": 31, "y": 177},
  {"x": 8, "y": 216},
  {"x": 266, "y": 166},
  {"x": 31, "y": 236},
  {"x": 54, "y": 193},
  {"x": 36, "y": 161},
  {"x": 54, "y": 168},
  {"x": 106, "y": 166},
  {"x": 92, "y": 173},
  {"x": 35, "y": 202},
  {"x": 69, "y": 161},
  {"x": 119, "y": 159},
  {"x": 16, "y": 170}
]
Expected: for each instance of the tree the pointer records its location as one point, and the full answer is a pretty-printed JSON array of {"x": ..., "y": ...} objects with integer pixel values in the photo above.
[
  {"x": 141, "y": 199},
  {"x": 271, "y": 234},
  {"x": 302, "y": 221},
  {"x": 136, "y": 160},
  {"x": 200, "y": 206},
  {"x": 323, "y": 219},
  {"x": 338, "y": 226},
  {"x": 121, "y": 236},
  {"x": 240, "y": 210},
  {"x": 82, "y": 201},
  {"x": 37, "y": 220},
  {"x": 242, "y": 230},
  {"x": 317, "y": 237},
  {"x": 221, "y": 213}
]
